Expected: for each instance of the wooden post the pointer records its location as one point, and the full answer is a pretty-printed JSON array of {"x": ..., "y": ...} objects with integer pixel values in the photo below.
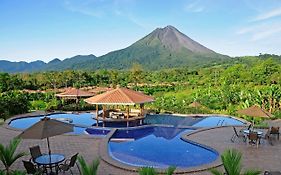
[
  {"x": 128, "y": 113},
  {"x": 103, "y": 114},
  {"x": 97, "y": 114},
  {"x": 142, "y": 108}
]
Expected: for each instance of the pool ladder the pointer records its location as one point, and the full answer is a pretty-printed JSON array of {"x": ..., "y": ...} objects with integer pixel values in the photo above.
[{"x": 220, "y": 122}]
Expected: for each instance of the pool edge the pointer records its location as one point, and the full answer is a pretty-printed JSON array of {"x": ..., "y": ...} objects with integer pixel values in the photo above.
[{"x": 105, "y": 156}]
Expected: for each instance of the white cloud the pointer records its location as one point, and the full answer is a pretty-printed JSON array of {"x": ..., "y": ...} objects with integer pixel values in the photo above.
[
  {"x": 267, "y": 15},
  {"x": 260, "y": 31},
  {"x": 194, "y": 7},
  {"x": 86, "y": 7},
  {"x": 266, "y": 33},
  {"x": 250, "y": 29}
]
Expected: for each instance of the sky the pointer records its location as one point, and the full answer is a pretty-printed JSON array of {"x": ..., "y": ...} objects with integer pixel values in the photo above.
[{"x": 46, "y": 29}]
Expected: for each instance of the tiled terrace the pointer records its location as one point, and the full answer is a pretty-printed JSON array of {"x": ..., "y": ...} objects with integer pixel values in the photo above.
[{"x": 266, "y": 157}]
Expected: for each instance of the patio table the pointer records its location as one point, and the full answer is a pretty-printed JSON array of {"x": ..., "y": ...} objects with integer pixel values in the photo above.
[
  {"x": 49, "y": 160},
  {"x": 247, "y": 132}
]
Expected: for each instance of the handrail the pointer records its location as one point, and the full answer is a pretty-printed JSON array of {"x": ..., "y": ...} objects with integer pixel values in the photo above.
[
  {"x": 222, "y": 122},
  {"x": 218, "y": 122}
]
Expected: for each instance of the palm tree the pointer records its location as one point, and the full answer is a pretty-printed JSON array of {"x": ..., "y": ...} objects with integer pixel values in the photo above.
[
  {"x": 90, "y": 169},
  {"x": 8, "y": 155},
  {"x": 231, "y": 160}
]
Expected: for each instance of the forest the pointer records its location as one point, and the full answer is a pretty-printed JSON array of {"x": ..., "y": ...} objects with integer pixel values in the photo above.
[{"x": 221, "y": 89}]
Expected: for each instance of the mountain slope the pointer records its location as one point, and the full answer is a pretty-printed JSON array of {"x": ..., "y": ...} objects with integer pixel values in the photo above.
[
  {"x": 162, "y": 48},
  {"x": 174, "y": 40},
  {"x": 75, "y": 62},
  {"x": 54, "y": 65},
  {"x": 11, "y": 67}
]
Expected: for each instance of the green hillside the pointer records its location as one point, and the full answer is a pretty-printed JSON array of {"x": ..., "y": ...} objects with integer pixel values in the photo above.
[{"x": 162, "y": 48}]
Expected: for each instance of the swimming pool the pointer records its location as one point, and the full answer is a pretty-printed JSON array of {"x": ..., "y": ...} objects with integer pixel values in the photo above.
[
  {"x": 80, "y": 121},
  {"x": 196, "y": 121},
  {"x": 83, "y": 119},
  {"x": 158, "y": 147},
  {"x": 156, "y": 144}
]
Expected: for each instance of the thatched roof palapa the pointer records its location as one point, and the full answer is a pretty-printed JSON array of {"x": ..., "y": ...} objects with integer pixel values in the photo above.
[{"x": 195, "y": 104}]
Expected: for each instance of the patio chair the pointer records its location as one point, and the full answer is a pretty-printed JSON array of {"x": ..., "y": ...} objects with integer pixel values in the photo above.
[
  {"x": 272, "y": 173},
  {"x": 275, "y": 131},
  {"x": 254, "y": 138},
  {"x": 32, "y": 169},
  {"x": 266, "y": 136},
  {"x": 69, "y": 163},
  {"x": 35, "y": 152},
  {"x": 237, "y": 135},
  {"x": 249, "y": 127}
]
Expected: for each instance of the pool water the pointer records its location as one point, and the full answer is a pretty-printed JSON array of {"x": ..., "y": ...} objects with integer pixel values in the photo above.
[
  {"x": 97, "y": 131},
  {"x": 81, "y": 121},
  {"x": 159, "y": 147},
  {"x": 210, "y": 121}
]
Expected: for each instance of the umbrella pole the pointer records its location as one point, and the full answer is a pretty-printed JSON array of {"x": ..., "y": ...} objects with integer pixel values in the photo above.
[
  {"x": 253, "y": 122},
  {"x": 48, "y": 142}
]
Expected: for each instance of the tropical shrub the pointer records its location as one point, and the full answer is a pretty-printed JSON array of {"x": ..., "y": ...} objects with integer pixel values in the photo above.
[
  {"x": 88, "y": 169},
  {"x": 152, "y": 171},
  {"x": 38, "y": 105},
  {"x": 12, "y": 103},
  {"x": 231, "y": 160},
  {"x": 8, "y": 154}
]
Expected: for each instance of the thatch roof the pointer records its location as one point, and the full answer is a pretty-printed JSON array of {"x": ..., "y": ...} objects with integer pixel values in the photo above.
[
  {"x": 255, "y": 111},
  {"x": 195, "y": 104},
  {"x": 122, "y": 96}
]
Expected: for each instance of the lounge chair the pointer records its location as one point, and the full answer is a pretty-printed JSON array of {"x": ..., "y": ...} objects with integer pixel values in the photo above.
[
  {"x": 31, "y": 168},
  {"x": 237, "y": 135},
  {"x": 254, "y": 138},
  {"x": 69, "y": 163},
  {"x": 272, "y": 173},
  {"x": 275, "y": 131}
]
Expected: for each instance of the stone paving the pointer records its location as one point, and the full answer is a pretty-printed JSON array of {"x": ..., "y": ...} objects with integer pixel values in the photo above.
[{"x": 266, "y": 157}]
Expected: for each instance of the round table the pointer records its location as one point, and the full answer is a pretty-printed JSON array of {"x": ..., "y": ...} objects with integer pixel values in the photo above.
[
  {"x": 49, "y": 160},
  {"x": 248, "y": 131}
]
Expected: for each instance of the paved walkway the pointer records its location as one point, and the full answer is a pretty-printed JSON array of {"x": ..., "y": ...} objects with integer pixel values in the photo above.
[{"x": 266, "y": 157}]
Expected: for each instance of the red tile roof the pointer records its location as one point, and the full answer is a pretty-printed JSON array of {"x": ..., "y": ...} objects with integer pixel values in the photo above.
[
  {"x": 122, "y": 96},
  {"x": 73, "y": 92}
]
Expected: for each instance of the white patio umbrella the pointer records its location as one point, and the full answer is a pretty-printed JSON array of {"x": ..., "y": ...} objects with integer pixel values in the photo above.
[{"x": 46, "y": 128}]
